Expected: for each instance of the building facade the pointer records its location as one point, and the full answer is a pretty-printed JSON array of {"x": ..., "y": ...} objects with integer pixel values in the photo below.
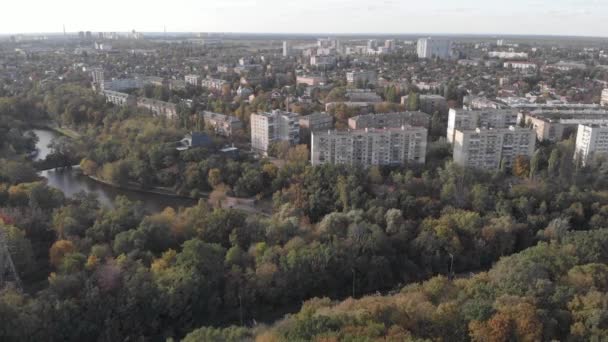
[
  {"x": 390, "y": 120},
  {"x": 119, "y": 99},
  {"x": 604, "y": 100},
  {"x": 193, "y": 80},
  {"x": 213, "y": 83},
  {"x": 434, "y": 48},
  {"x": 429, "y": 104},
  {"x": 591, "y": 142},
  {"x": 392, "y": 146},
  {"x": 158, "y": 108},
  {"x": 275, "y": 126},
  {"x": 484, "y": 118},
  {"x": 489, "y": 149},
  {"x": 557, "y": 125},
  {"x": 224, "y": 125},
  {"x": 361, "y": 77}
]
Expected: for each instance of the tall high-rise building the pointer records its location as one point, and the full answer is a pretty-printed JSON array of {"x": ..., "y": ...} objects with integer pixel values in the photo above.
[
  {"x": 286, "y": 49},
  {"x": 484, "y": 118},
  {"x": 367, "y": 147},
  {"x": 274, "y": 126},
  {"x": 434, "y": 48},
  {"x": 591, "y": 141},
  {"x": 489, "y": 149}
]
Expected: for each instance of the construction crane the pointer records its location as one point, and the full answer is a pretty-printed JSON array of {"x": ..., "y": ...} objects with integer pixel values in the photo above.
[{"x": 8, "y": 273}]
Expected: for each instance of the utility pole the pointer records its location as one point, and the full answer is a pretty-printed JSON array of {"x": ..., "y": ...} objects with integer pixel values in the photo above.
[{"x": 8, "y": 273}]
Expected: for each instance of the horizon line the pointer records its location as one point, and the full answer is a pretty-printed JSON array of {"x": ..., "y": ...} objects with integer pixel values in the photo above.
[{"x": 519, "y": 35}]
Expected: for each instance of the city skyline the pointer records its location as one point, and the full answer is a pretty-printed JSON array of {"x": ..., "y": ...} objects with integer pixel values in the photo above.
[{"x": 539, "y": 17}]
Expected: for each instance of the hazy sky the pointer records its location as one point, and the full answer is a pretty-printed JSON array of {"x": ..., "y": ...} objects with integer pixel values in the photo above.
[{"x": 559, "y": 17}]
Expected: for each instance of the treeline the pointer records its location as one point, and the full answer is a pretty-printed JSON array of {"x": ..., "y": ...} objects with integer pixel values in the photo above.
[{"x": 556, "y": 291}]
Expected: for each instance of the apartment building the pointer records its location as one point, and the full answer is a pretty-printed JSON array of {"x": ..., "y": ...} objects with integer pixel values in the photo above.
[
  {"x": 119, "y": 99},
  {"x": 390, "y": 120},
  {"x": 193, "y": 80},
  {"x": 121, "y": 84},
  {"x": 361, "y": 77},
  {"x": 316, "y": 122},
  {"x": 434, "y": 48},
  {"x": 224, "y": 125},
  {"x": 556, "y": 125},
  {"x": 520, "y": 65},
  {"x": 462, "y": 119},
  {"x": 158, "y": 108},
  {"x": 604, "y": 100},
  {"x": 362, "y": 95},
  {"x": 391, "y": 146},
  {"x": 311, "y": 80},
  {"x": 489, "y": 149},
  {"x": 275, "y": 126},
  {"x": 591, "y": 142},
  {"x": 429, "y": 104},
  {"x": 213, "y": 83}
]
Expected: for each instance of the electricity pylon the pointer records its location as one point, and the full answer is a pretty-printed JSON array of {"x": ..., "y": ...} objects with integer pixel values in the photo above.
[{"x": 8, "y": 273}]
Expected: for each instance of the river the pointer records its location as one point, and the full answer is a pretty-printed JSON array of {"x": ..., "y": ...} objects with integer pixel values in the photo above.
[{"x": 71, "y": 182}]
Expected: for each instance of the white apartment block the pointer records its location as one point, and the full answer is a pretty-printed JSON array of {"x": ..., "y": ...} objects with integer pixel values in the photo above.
[
  {"x": 361, "y": 77},
  {"x": 213, "y": 83},
  {"x": 604, "y": 100},
  {"x": 316, "y": 122},
  {"x": 434, "y": 48},
  {"x": 462, "y": 119},
  {"x": 392, "y": 146},
  {"x": 97, "y": 75},
  {"x": 119, "y": 99},
  {"x": 508, "y": 55},
  {"x": 488, "y": 149},
  {"x": 591, "y": 142},
  {"x": 429, "y": 104},
  {"x": 275, "y": 126},
  {"x": 193, "y": 80}
]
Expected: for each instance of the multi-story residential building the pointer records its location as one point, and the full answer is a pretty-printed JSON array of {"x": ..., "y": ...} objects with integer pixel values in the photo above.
[
  {"x": 157, "y": 107},
  {"x": 225, "y": 125},
  {"x": 434, "y": 48},
  {"x": 121, "y": 84},
  {"x": 275, "y": 126},
  {"x": 193, "y": 80},
  {"x": 361, "y": 77},
  {"x": 390, "y": 120},
  {"x": 508, "y": 55},
  {"x": 311, "y": 80},
  {"x": 484, "y": 118},
  {"x": 316, "y": 122},
  {"x": 213, "y": 83},
  {"x": 591, "y": 142},
  {"x": 477, "y": 102},
  {"x": 556, "y": 125},
  {"x": 391, "y": 146},
  {"x": 286, "y": 49},
  {"x": 119, "y": 99},
  {"x": 322, "y": 61},
  {"x": 97, "y": 75},
  {"x": 362, "y": 95},
  {"x": 520, "y": 65},
  {"x": 604, "y": 100},
  {"x": 489, "y": 149},
  {"x": 429, "y": 104}
]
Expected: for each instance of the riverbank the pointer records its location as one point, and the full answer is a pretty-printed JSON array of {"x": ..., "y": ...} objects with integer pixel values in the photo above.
[
  {"x": 67, "y": 132},
  {"x": 243, "y": 204}
]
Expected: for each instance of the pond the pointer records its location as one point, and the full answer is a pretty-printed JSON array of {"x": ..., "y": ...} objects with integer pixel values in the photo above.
[{"x": 72, "y": 182}]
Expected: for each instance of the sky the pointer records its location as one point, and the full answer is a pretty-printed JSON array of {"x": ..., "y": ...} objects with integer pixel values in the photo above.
[{"x": 538, "y": 17}]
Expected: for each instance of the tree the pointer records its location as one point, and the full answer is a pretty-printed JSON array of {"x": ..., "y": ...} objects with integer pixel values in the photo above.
[
  {"x": 521, "y": 167},
  {"x": 215, "y": 177},
  {"x": 59, "y": 250}
]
